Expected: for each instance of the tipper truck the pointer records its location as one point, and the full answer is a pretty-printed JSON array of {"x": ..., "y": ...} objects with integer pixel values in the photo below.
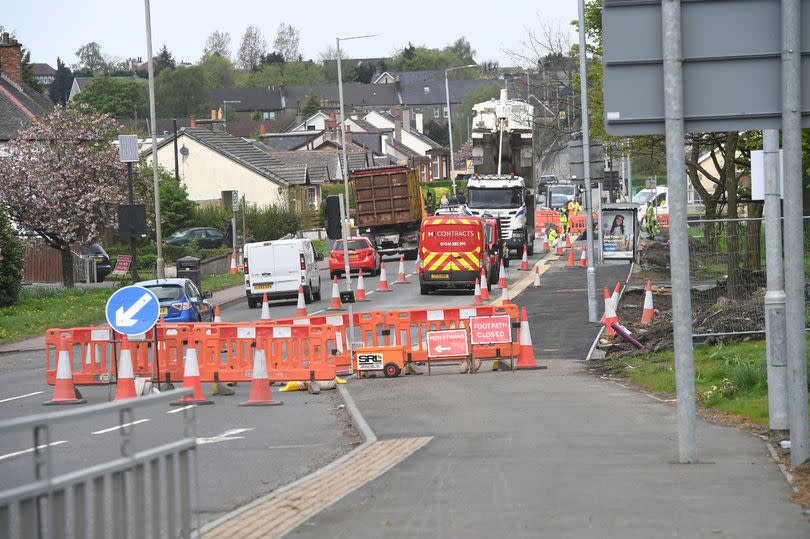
[
  {"x": 389, "y": 208},
  {"x": 503, "y": 163}
]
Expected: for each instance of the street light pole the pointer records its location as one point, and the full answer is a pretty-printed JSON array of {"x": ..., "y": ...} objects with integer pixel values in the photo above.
[
  {"x": 450, "y": 121},
  {"x": 159, "y": 263}
]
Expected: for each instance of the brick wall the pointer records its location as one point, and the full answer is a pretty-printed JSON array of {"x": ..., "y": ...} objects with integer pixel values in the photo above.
[{"x": 10, "y": 58}]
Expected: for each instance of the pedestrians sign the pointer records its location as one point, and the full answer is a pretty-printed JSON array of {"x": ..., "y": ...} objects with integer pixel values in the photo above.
[
  {"x": 490, "y": 329},
  {"x": 132, "y": 310},
  {"x": 450, "y": 343}
]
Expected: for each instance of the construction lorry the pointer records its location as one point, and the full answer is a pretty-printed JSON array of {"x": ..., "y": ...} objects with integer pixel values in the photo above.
[
  {"x": 503, "y": 183},
  {"x": 388, "y": 208}
]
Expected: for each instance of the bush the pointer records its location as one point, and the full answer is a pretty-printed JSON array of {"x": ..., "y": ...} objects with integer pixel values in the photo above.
[
  {"x": 12, "y": 259},
  {"x": 747, "y": 375}
]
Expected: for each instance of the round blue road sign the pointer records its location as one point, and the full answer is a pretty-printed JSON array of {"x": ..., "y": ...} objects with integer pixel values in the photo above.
[{"x": 132, "y": 310}]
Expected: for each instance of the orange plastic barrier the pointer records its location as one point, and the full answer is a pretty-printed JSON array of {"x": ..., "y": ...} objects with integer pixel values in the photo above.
[
  {"x": 544, "y": 218},
  {"x": 293, "y": 352}
]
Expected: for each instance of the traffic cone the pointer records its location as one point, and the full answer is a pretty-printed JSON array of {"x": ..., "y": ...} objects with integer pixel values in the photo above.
[
  {"x": 335, "y": 305},
  {"x": 383, "y": 284},
  {"x": 524, "y": 262},
  {"x": 125, "y": 378},
  {"x": 233, "y": 263},
  {"x": 484, "y": 286},
  {"x": 559, "y": 251},
  {"x": 504, "y": 295},
  {"x": 526, "y": 359},
  {"x": 63, "y": 390},
  {"x": 536, "y": 277},
  {"x": 217, "y": 316},
  {"x": 265, "y": 308},
  {"x": 301, "y": 308},
  {"x": 568, "y": 240},
  {"x": 360, "y": 293},
  {"x": 260, "y": 394},
  {"x": 610, "y": 315},
  {"x": 401, "y": 279},
  {"x": 649, "y": 311},
  {"x": 502, "y": 276},
  {"x": 617, "y": 290},
  {"x": 191, "y": 378},
  {"x": 570, "y": 263},
  {"x": 583, "y": 257},
  {"x": 477, "y": 294},
  {"x": 545, "y": 243}
]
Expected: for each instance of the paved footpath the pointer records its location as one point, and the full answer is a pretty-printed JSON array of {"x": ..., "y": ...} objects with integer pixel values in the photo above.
[{"x": 554, "y": 453}]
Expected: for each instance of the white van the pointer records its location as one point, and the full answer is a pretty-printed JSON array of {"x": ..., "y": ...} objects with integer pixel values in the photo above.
[{"x": 276, "y": 268}]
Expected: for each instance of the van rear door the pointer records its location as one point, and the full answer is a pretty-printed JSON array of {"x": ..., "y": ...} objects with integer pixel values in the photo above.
[
  {"x": 453, "y": 245},
  {"x": 286, "y": 266}
]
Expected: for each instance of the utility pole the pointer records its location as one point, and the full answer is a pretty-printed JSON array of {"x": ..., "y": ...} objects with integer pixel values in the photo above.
[{"x": 159, "y": 263}]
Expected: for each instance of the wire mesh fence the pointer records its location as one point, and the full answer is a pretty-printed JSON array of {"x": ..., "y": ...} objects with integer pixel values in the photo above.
[{"x": 727, "y": 272}]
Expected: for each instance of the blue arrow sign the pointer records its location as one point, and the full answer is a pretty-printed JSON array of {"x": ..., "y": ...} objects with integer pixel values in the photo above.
[{"x": 132, "y": 310}]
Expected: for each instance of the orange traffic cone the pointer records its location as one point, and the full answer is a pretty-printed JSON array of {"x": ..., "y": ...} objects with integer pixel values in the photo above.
[
  {"x": 504, "y": 295},
  {"x": 335, "y": 305},
  {"x": 260, "y": 394},
  {"x": 568, "y": 240},
  {"x": 610, "y": 315},
  {"x": 217, "y": 315},
  {"x": 559, "y": 251},
  {"x": 536, "y": 283},
  {"x": 649, "y": 311},
  {"x": 191, "y": 378},
  {"x": 63, "y": 390},
  {"x": 401, "y": 279},
  {"x": 502, "y": 276},
  {"x": 526, "y": 359},
  {"x": 301, "y": 307},
  {"x": 125, "y": 380},
  {"x": 360, "y": 293},
  {"x": 524, "y": 262},
  {"x": 233, "y": 263},
  {"x": 617, "y": 290},
  {"x": 570, "y": 263},
  {"x": 484, "y": 286},
  {"x": 265, "y": 308},
  {"x": 477, "y": 294},
  {"x": 545, "y": 243},
  {"x": 383, "y": 285},
  {"x": 583, "y": 257}
]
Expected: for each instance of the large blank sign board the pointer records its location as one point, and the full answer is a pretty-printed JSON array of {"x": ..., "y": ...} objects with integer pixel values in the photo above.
[{"x": 732, "y": 75}]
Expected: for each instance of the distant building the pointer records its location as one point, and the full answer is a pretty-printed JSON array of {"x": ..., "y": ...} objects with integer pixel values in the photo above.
[{"x": 43, "y": 73}]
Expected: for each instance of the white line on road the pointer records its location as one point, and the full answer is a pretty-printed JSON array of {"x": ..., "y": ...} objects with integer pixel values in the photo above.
[
  {"x": 24, "y": 451},
  {"x": 175, "y": 410},
  {"x": 21, "y": 396},
  {"x": 117, "y": 427},
  {"x": 227, "y": 435}
]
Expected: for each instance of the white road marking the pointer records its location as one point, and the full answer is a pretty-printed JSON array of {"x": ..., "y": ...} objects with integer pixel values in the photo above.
[
  {"x": 21, "y": 396},
  {"x": 227, "y": 435},
  {"x": 24, "y": 451},
  {"x": 174, "y": 411},
  {"x": 117, "y": 427}
]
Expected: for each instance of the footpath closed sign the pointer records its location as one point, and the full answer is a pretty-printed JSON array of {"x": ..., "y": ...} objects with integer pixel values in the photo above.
[
  {"x": 490, "y": 329},
  {"x": 450, "y": 343}
]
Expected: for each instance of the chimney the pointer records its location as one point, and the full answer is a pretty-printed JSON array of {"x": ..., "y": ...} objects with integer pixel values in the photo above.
[
  {"x": 406, "y": 119},
  {"x": 193, "y": 121},
  {"x": 384, "y": 144},
  {"x": 397, "y": 113},
  {"x": 348, "y": 134},
  {"x": 262, "y": 129},
  {"x": 10, "y": 58},
  {"x": 420, "y": 122}
]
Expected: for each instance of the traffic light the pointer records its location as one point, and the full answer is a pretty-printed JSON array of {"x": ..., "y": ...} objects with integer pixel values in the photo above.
[{"x": 333, "y": 217}]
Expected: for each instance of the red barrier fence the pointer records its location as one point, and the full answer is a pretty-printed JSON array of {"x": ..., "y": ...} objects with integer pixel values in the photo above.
[{"x": 544, "y": 218}]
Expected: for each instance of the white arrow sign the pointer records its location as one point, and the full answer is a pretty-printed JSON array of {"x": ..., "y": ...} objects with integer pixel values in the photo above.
[
  {"x": 441, "y": 349},
  {"x": 124, "y": 318}
]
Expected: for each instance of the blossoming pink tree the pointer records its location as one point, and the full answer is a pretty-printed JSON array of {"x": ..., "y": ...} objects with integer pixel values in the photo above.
[{"x": 62, "y": 180}]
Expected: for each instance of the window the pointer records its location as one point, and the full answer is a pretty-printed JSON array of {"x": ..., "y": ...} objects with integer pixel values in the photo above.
[
  {"x": 312, "y": 194},
  {"x": 197, "y": 234},
  {"x": 436, "y": 112},
  {"x": 444, "y": 111},
  {"x": 269, "y": 116},
  {"x": 427, "y": 89}
]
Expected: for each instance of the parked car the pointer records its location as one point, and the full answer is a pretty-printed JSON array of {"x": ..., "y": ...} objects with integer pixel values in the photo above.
[
  {"x": 103, "y": 267},
  {"x": 180, "y": 301},
  {"x": 204, "y": 237},
  {"x": 277, "y": 268},
  {"x": 362, "y": 255}
]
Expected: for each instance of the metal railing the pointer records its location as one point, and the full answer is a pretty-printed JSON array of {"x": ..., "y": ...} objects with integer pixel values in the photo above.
[{"x": 140, "y": 486}]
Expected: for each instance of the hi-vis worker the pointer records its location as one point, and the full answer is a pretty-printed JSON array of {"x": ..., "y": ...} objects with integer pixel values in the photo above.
[
  {"x": 564, "y": 219},
  {"x": 552, "y": 235},
  {"x": 573, "y": 208},
  {"x": 652, "y": 225}
]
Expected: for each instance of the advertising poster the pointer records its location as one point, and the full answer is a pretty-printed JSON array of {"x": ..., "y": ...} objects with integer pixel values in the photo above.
[{"x": 618, "y": 233}]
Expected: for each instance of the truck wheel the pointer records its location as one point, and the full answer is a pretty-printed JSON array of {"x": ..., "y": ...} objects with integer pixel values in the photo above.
[
  {"x": 391, "y": 370},
  {"x": 316, "y": 295},
  {"x": 252, "y": 302},
  {"x": 307, "y": 295},
  {"x": 424, "y": 289}
]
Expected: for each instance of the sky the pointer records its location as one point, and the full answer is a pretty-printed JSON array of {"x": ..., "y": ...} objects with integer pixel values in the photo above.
[{"x": 51, "y": 28}]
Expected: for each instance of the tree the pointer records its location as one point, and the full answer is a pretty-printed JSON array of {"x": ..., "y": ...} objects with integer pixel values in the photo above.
[
  {"x": 437, "y": 132},
  {"x": 91, "y": 58},
  {"x": 462, "y": 48},
  {"x": 12, "y": 259},
  {"x": 164, "y": 60},
  {"x": 62, "y": 179},
  {"x": 412, "y": 58},
  {"x": 28, "y": 71},
  {"x": 62, "y": 81},
  {"x": 218, "y": 71},
  {"x": 176, "y": 210},
  {"x": 286, "y": 43},
  {"x": 310, "y": 106},
  {"x": 252, "y": 49},
  {"x": 120, "y": 98},
  {"x": 218, "y": 44},
  {"x": 273, "y": 58},
  {"x": 295, "y": 73},
  {"x": 181, "y": 92}
]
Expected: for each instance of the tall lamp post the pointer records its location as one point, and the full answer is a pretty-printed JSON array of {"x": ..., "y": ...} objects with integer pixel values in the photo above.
[
  {"x": 450, "y": 121},
  {"x": 225, "y": 113},
  {"x": 159, "y": 263},
  {"x": 346, "y": 185}
]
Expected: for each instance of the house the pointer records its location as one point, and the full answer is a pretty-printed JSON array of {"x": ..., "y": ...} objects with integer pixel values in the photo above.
[
  {"x": 43, "y": 73},
  {"x": 259, "y": 104},
  {"x": 356, "y": 97},
  {"x": 437, "y": 164},
  {"x": 19, "y": 103},
  {"x": 79, "y": 84},
  {"x": 212, "y": 163},
  {"x": 316, "y": 122}
]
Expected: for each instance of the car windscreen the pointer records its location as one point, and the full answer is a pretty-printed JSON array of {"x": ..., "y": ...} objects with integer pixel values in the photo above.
[
  {"x": 642, "y": 197},
  {"x": 442, "y": 238},
  {"x": 558, "y": 199},
  {"x": 180, "y": 233},
  {"x": 167, "y": 292},
  {"x": 354, "y": 245},
  {"x": 483, "y": 198}
]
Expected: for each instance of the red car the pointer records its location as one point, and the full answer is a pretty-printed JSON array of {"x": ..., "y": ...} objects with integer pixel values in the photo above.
[{"x": 362, "y": 255}]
